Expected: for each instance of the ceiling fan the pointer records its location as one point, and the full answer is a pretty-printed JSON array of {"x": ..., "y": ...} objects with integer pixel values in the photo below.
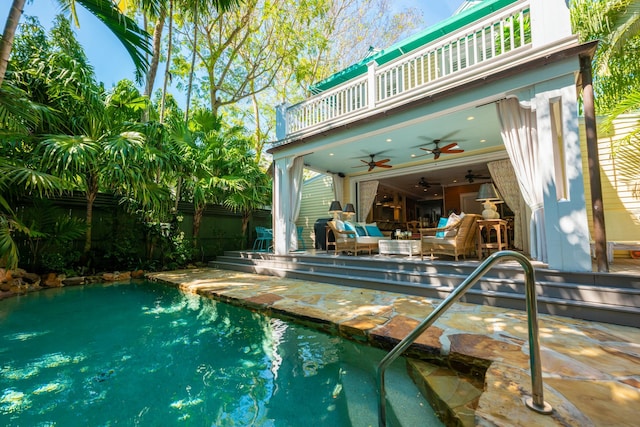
[
  {"x": 472, "y": 176},
  {"x": 374, "y": 163},
  {"x": 451, "y": 148},
  {"x": 426, "y": 184}
]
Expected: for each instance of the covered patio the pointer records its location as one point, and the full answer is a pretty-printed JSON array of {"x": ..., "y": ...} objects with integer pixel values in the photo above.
[{"x": 496, "y": 85}]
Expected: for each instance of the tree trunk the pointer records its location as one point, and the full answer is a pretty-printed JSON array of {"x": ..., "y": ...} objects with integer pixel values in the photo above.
[
  {"x": 197, "y": 218},
  {"x": 246, "y": 216},
  {"x": 6, "y": 41},
  {"x": 155, "y": 59},
  {"x": 92, "y": 193},
  {"x": 258, "y": 132},
  {"x": 166, "y": 70},
  {"x": 193, "y": 59}
]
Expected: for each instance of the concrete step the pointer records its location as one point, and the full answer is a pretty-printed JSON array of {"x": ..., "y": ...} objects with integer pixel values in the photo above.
[
  {"x": 406, "y": 406},
  {"x": 616, "y": 301}
]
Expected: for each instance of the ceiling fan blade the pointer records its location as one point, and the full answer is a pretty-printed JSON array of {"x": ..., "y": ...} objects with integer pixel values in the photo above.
[
  {"x": 385, "y": 166},
  {"x": 379, "y": 162},
  {"x": 453, "y": 151},
  {"x": 427, "y": 149},
  {"x": 436, "y": 156},
  {"x": 449, "y": 135},
  {"x": 371, "y": 168},
  {"x": 448, "y": 147}
]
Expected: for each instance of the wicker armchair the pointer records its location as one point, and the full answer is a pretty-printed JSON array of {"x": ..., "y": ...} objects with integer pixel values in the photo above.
[
  {"x": 348, "y": 241},
  {"x": 459, "y": 239}
]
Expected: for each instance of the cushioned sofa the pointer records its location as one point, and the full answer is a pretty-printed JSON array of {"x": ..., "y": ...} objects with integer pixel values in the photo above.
[{"x": 354, "y": 238}]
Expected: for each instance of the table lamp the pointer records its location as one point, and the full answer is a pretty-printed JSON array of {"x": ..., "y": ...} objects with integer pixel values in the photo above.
[
  {"x": 335, "y": 209},
  {"x": 349, "y": 211},
  {"x": 488, "y": 195}
]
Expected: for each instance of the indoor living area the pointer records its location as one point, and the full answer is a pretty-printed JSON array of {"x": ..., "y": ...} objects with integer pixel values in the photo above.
[{"x": 424, "y": 199}]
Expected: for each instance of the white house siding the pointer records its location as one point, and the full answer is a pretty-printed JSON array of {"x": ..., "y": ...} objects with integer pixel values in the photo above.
[{"x": 317, "y": 194}]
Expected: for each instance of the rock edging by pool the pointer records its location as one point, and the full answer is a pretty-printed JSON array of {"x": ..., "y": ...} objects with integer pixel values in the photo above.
[{"x": 19, "y": 281}]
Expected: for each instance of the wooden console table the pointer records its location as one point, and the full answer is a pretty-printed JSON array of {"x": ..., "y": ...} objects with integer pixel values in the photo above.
[{"x": 485, "y": 226}]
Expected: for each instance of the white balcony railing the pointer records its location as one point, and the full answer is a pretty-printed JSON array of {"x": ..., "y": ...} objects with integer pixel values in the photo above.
[{"x": 498, "y": 34}]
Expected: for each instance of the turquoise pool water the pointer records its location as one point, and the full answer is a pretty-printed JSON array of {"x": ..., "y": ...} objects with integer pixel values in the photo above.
[{"x": 147, "y": 354}]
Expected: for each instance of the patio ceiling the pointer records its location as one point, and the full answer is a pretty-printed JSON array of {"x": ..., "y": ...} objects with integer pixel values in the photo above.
[{"x": 475, "y": 129}]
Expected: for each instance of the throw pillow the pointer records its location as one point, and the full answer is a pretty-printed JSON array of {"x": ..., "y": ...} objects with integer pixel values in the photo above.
[
  {"x": 441, "y": 224},
  {"x": 339, "y": 225},
  {"x": 452, "y": 220},
  {"x": 373, "y": 230}
]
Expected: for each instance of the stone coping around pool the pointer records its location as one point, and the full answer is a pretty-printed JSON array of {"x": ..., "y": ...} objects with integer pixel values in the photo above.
[{"x": 591, "y": 370}]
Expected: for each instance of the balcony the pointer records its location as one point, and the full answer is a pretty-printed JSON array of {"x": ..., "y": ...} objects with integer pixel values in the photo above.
[{"x": 478, "y": 39}]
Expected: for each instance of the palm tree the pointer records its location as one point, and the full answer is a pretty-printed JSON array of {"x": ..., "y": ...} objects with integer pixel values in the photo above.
[
  {"x": 107, "y": 153},
  {"x": 134, "y": 39},
  {"x": 210, "y": 155},
  {"x": 253, "y": 194}
]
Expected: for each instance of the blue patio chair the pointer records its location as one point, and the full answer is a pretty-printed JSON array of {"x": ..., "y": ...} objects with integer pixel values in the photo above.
[
  {"x": 301, "y": 244},
  {"x": 263, "y": 240}
]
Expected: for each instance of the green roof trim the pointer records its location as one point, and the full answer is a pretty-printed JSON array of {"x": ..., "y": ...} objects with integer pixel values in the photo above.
[{"x": 414, "y": 42}]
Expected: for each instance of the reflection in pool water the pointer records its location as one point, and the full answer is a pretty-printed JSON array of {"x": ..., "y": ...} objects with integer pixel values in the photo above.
[{"x": 147, "y": 354}]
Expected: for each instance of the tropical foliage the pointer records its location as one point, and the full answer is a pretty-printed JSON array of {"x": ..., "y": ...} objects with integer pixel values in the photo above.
[
  {"x": 62, "y": 132},
  {"x": 616, "y": 25},
  {"x": 93, "y": 141}
]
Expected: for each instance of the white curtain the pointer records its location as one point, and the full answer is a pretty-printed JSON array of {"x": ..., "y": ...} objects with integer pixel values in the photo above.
[
  {"x": 366, "y": 195},
  {"x": 296, "y": 169},
  {"x": 504, "y": 177},
  {"x": 338, "y": 188},
  {"x": 518, "y": 129}
]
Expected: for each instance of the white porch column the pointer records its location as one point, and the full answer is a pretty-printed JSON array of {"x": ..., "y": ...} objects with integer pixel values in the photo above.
[
  {"x": 287, "y": 185},
  {"x": 560, "y": 163},
  {"x": 281, "y": 206}
]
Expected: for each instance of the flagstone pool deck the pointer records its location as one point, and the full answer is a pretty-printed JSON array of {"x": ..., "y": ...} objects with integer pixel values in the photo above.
[{"x": 591, "y": 370}]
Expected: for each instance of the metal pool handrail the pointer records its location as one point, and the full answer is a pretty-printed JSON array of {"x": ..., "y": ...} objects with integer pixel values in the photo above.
[{"x": 536, "y": 402}]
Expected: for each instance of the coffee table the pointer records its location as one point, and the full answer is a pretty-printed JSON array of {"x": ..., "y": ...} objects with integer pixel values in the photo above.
[{"x": 399, "y": 247}]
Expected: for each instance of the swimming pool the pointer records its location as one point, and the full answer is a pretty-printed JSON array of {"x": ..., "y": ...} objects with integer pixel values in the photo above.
[{"x": 147, "y": 354}]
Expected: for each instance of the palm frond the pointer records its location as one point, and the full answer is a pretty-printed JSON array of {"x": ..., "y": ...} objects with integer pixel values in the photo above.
[
  {"x": 68, "y": 154},
  {"x": 134, "y": 39},
  {"x": 17, "y": 112},
  {"x": 630, "y": 103},
  {"x": 32, "y": 181}
]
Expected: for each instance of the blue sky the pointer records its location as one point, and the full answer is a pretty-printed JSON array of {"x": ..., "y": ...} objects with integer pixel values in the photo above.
[{"x": 111, "y": 62}]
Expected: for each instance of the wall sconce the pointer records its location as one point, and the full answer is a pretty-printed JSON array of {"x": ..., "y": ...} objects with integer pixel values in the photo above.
[
  {"x": 488, "y": 195},
  {"x": 349, "y": 211},
  {"x": 335, "y": 209}
]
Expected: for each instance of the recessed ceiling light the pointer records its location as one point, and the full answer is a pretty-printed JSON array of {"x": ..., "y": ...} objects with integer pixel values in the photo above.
[
  {"x": 455, "y": 180},
  {"x": 413, "y": 155},
  {"x": 470, "y": 118},
  {"x": 388, "y": 139},
  {"x": 331, "y": 154},
  {"x": 483, "y": 140}
]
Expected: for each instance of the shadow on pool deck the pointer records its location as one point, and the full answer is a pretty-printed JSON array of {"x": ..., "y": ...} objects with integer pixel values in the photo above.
[{"x": 591, "y": 370}]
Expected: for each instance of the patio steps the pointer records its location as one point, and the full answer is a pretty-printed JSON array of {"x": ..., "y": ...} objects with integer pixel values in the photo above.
[{"x": 611, "y": 298}]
